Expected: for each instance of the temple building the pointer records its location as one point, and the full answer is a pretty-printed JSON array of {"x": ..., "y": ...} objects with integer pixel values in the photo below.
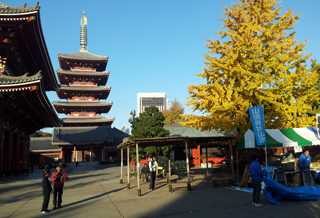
[
  {"x": 85, "y": 135},
  {"x": 26, "y": 74}
]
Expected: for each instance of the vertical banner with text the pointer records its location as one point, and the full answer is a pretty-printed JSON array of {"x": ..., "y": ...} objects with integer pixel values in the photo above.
[{"x": 257, "y": 119}]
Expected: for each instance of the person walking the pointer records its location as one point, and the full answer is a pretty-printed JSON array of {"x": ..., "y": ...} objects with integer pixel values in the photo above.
[
  {"x": 256, "y": 175},
  {"x": 46, "y": 190},
  {"x": 58, "y": 179},
  {"x": 152, "y": 166}
]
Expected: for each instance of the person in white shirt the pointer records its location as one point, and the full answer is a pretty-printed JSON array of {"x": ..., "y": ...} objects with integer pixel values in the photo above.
[{"x": 153, "y": 167}]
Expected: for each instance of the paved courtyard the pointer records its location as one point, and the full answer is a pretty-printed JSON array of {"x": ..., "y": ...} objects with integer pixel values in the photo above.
[{"x": 92, "y": 192}]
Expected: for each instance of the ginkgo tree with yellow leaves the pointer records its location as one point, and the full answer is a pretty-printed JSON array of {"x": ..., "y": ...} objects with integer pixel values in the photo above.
[{"x": 256, "y": 61}]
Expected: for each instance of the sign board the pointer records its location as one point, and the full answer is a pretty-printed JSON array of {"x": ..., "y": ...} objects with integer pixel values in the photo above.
[
  {"x": 257, "y": 119},
  {"x": 297, "y": 149}
]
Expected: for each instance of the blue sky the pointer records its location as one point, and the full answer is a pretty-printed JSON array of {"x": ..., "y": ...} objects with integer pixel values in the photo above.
[{"x": 153, "y": 46}]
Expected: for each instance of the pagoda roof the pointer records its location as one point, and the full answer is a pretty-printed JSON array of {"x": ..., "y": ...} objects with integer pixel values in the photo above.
[
  {"x": 86, "y": 119},
  {"x": 86, "y": 73},
  {"x": 80, "y": 121},
  {"x": 99, "y": 93},
  {"x": 85, "y": 88},
  {"x": 83, "y": 104},
  {"x": 68, "y": 107},
  {"x": 66, "y": 76},
  {"x": 81, "y": 135},
  {"x": 25, "y": 49},
  {"x": 84, "y": 56}
]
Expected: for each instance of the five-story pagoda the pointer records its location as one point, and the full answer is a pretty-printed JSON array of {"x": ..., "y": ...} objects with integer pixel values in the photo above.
[{"x": 82, "y": 76}]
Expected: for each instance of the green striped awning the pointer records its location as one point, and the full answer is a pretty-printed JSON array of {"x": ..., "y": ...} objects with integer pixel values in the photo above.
[{"x": 282, "y": 138}]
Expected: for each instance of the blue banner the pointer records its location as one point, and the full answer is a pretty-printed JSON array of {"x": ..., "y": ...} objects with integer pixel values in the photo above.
[{"x": 257, "y": 119}]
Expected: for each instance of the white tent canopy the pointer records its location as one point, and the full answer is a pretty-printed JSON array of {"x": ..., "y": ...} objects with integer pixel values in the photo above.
[{"x": 307, "y": 136}]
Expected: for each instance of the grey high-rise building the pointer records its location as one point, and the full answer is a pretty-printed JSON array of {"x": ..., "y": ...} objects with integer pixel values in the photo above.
[{"x": 158, "y": 100}]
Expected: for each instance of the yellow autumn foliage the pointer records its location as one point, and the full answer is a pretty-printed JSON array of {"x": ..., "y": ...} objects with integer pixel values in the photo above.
[{"x": 256, "y": 61}]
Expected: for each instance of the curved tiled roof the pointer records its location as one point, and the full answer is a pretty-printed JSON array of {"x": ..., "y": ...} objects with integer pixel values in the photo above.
[
  {"x": 6, "y": 80},
  {"x": 178, "y": 130},
  {"x": 81, "y": 104},
  {"x": 42, "y": 143},
  {"x": 7, "y": 9},
  {"x": 80, "y": 135},
  {"x": 79, "y": 119},
  {"x": 86, "y": 88},
  {"x": 83, "y": 55},
  {"x": 97, "y": 73}
]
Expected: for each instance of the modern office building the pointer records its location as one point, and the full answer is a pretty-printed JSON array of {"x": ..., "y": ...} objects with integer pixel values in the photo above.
[{"x": 151, "y": 99}]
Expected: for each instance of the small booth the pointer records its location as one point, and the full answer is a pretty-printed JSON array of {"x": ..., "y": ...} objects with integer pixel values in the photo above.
[
  {"x": 295, "y": 139},
  {"x": 181, "y": 141}
]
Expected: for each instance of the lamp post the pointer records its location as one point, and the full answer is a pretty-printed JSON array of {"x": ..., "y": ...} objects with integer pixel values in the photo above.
[
  {"x": 133, "y": 114},
  {"x": 131, "y": 119}
]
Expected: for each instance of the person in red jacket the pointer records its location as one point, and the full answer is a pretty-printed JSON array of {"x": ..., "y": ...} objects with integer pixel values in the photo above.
[{"x": 58, "y": 179}]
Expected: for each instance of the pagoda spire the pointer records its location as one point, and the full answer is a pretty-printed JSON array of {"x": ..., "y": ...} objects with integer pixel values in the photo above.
[{"x": 83, "y": 33}]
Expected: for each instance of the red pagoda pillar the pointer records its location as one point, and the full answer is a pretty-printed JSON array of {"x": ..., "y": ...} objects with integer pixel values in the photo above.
[{"x": 1, "y": 150}]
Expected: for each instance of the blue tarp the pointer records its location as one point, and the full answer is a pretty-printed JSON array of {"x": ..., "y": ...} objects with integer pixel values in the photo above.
[{"x": 275, "y": 191}]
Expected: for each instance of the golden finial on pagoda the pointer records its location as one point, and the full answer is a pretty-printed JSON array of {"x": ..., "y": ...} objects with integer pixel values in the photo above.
[{"x": 83, "y": 33}]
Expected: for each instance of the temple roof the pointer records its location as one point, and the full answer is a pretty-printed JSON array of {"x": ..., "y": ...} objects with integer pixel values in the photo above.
[
  {"x": 67, "y": 76},
  {"x": 118, "y": 136},
  {"x": 100, "y": 121},
  {"x": 24, "y": 46},
  {"x": 85, "y": 88},
  {"x": 42, "y": 143},
  {"x": 84, "y": 56},
  {"x": 86, "y": 73},
  {"x": 86, "y": 119},
  {"x": 81, "y": 104},
  {"x": 6, "y": 80},
  {"x": 81, "y": 135},
  {"x": 7, "y": 9},
  {"x": 68, "y": 107},
  {"x": 98, "y": 93},
  {"x": 179, "y": 130}
]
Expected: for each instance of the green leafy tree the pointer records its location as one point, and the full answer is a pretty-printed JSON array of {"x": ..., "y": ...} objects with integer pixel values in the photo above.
[
  {"x": 149, "y": 124},
  {"x": 174, "y": 114},
  {"x": 256, "y": 61}
]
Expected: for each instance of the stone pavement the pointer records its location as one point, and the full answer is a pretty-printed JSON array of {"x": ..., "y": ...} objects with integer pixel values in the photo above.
[{"x": 92, "y": 192}]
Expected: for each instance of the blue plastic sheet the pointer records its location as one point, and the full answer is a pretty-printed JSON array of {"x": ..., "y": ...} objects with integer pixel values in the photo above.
[{"x": 276, "y": 191}]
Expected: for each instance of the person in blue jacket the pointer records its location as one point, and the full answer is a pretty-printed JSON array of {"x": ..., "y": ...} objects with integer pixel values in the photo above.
[
  {"x": 304, "y": 160},
  {"x": 256, "y": 175},
  {"x": 304, "y": 165}
]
